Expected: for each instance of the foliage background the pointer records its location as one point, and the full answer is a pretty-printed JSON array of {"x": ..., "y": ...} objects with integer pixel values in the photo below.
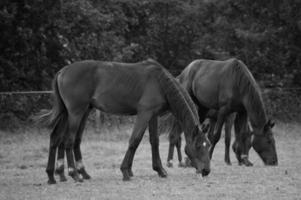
[{"x": 39, "y": 37}]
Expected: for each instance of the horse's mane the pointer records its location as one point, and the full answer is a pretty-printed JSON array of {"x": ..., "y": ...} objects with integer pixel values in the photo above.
[
  {"x": 179, "y": 100},
  {"x": 245, "y": 84}
]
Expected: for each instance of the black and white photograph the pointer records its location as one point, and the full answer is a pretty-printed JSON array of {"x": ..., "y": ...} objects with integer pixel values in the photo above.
[{"x": 150, "y": 99}]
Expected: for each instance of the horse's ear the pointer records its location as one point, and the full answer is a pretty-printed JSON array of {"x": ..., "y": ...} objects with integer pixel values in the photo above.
[
  {"x": 269, "y": 125},
  {"x": 272, "y": 123},
  {"x": 205, "y": 126}
]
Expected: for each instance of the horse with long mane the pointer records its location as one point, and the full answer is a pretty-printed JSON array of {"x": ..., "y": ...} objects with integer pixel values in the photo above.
[
  {"x": 144, "y": 89},
  {"x": 228, "y": 86}
]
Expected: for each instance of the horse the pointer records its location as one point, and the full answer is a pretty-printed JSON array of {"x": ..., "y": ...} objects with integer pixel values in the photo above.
[
  {"x": 144, "y": 89},
  {"x": 175, "y": 142},
  {"x": 228, "y": 86}
]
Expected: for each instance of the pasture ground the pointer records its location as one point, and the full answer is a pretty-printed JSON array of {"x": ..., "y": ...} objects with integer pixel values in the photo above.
[{"x": 23, "y": 158}]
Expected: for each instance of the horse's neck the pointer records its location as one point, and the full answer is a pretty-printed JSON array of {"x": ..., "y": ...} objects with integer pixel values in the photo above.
[
  {"x": 256, "y": 111},
  {"x": 188, "y": 128},
  {"x": 181, "y": 104}
]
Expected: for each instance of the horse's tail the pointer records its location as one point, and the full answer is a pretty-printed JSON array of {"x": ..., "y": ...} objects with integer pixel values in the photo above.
[{"x": 58, "y": 111}]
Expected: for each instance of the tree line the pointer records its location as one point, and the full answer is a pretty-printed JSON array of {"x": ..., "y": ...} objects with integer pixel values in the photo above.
[{"x": 40, "y": 37}]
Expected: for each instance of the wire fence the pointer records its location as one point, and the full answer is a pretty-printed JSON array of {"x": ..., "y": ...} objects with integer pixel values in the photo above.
[
  {"x": 26, "y": 92},
  {"x": 267, "y": 89},
  {"x": 17, "y": 107}
]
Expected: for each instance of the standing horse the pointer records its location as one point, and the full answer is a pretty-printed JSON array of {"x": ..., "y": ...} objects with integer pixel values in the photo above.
[
  {"x": 228, "y": 86},
  {"x": 144, "y": 89}
]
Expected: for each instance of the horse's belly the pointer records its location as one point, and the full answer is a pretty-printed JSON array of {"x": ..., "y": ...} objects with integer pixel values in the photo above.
[
  {"x": 208, "y": 101},
  {"x": 119, "y": 105},
  {"x": 207, "y": 94}
]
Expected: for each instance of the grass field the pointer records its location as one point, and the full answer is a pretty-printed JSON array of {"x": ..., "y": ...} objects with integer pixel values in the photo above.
[{"x": 23, "y": 158}]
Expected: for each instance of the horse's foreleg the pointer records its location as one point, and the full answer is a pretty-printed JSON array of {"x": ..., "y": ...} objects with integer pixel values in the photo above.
[
  {"x": 174, "y": 140},
  {"x": 77, "y": 150},
  {"x": 178, "y": 146},
  {"x": 154, "y": 141},
  {"x": 242, "y": 137},
  {"x": 136, "y": 137},
  {"x": 60, "y": 162},
  {"x": 228, "y": 126},
  {"x": 170, "y": 154}
]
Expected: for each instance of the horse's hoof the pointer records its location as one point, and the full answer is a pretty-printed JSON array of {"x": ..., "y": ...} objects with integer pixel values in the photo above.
[
  {"x": 126, "y": 178},
  {"x": 181, "y": 164},
  {"x": 130, "y": 173},
  {"x": 84, "y": 174},
  {"x": 188, "y": 162},
  {"x": 78, "y": 179},
  {"x": 51, "y": 181},
  {"x": 248, "y": 164},
  {"x": 228, "y": 162},
  {"x": 126, "y": 175},
  {"x": 63, "y": 178},
  {"x": 59, "y": 170},
  {"x": 75, "y": 176},
  {"x": 169, "y": 164},
  {"x": 162, "y": 173}
]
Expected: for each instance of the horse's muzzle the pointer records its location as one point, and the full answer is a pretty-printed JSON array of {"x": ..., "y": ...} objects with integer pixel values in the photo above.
[
  {"x": 204, "y": 172},
  {"x": 273, "y": 162}
]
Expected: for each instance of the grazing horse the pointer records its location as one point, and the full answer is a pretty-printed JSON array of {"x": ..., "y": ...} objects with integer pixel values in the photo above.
[
  {"x": 175, "y": 141},
  {"x": 144, "y": 89},
  {"x": 228, "y": 86},
  {"x": 244, "y": 135}
]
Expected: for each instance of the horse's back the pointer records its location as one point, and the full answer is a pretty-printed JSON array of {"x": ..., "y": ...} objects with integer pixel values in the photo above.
[
  {"x": 213, "y": 81},
  {"x": 113, "y": 87}
]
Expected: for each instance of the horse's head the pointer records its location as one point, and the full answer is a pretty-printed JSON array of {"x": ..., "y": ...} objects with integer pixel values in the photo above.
[
  {"x": 264, "y": 144},
  {"x": 198, "y": 152}
]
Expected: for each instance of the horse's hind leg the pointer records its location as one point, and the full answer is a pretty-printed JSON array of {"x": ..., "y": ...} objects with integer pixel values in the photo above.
[
  {"x": 60, "y": 162},
  {"x": 51, "y": 160},
  {"x": 154, "y": 140},
  {"x": 77, "y": 151},
  {"x": 74, "y": 120},
  {"x": 136, "y": 137},
  {"x": 55, "y": 140}
]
